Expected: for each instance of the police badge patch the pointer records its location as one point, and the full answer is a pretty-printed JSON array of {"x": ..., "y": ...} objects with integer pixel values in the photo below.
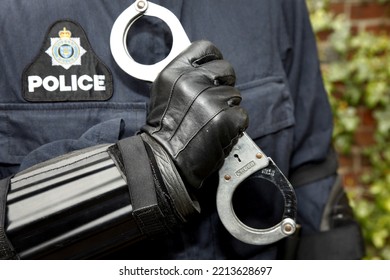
[
  {"x": 67, "y": 69},
  {"x": 65, "y": 51}
]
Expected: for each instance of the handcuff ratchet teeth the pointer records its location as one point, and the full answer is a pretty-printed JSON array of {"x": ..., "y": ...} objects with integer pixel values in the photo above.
[{"x": 233, "y": 171}]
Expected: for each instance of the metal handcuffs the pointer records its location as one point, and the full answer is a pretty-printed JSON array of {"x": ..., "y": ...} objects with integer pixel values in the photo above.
[{"x": 233, "y": 171}]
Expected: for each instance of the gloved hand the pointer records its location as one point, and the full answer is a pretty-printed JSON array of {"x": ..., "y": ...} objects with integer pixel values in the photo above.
[
  {"x": 194, "y": 121},
  {"x": 194, "y": 112}
]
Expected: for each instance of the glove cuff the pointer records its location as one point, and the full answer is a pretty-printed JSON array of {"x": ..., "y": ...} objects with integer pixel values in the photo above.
[{"x": 183, "y": 204}]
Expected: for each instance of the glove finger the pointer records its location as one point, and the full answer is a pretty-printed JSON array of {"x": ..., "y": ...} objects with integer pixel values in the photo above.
[
  {"x": 201, "y": 52},
  {"x": 196, "y": 54},
  {"x": 237, "y": 122},
  {"x": 220, "y": 72},
  {"x": 224, "y": 96}
]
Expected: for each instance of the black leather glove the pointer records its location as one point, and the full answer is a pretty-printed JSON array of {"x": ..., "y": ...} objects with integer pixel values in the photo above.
[
  {"x": 194, "y": 120},
  {"x": 194, "y": 112}
]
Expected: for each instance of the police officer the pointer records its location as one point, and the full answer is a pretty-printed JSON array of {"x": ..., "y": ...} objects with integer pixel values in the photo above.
[{"x": 61, "y": 91}]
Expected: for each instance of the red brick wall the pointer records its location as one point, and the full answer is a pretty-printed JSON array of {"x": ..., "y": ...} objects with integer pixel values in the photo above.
[
  {"x": 368, "y": 15},
  {"x": 353, "y": 165},
  {"x": 365, "y": 14}
]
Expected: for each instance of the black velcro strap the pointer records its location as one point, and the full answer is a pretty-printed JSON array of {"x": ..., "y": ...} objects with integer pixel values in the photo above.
[
  {"x": 312, "y": 172},
  {"x": 342, "y": 243},
  {"x": 7, "y": 252},
  {"x": 141, "y": 186}
]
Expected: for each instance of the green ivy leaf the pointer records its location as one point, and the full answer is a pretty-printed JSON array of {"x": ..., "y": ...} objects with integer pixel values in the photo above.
[
  {"x": 379, "y": 237},
  {"x": 357, "y": 74}
]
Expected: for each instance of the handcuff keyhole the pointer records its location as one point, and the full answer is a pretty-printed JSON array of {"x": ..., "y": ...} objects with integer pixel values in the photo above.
[{"x": 237, "y": 157}]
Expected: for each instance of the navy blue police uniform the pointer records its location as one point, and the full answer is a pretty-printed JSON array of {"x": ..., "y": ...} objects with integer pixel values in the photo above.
[{"x": 55, "y": 102}]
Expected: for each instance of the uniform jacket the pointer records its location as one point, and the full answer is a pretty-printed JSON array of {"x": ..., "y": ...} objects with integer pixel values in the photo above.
[{"x": 271, "y": 47}]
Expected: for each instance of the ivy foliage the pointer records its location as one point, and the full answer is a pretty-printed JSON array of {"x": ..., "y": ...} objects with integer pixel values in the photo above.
[{"x": 356, "y": 71}]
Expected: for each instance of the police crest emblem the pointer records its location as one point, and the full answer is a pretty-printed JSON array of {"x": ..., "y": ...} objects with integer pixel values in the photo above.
[
  {"x": 64, "y": 50},
  {"x": 66, "y": 68}
]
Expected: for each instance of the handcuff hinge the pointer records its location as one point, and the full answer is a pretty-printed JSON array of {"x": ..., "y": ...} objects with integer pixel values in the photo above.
[{"x": 141, "y": 6}]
